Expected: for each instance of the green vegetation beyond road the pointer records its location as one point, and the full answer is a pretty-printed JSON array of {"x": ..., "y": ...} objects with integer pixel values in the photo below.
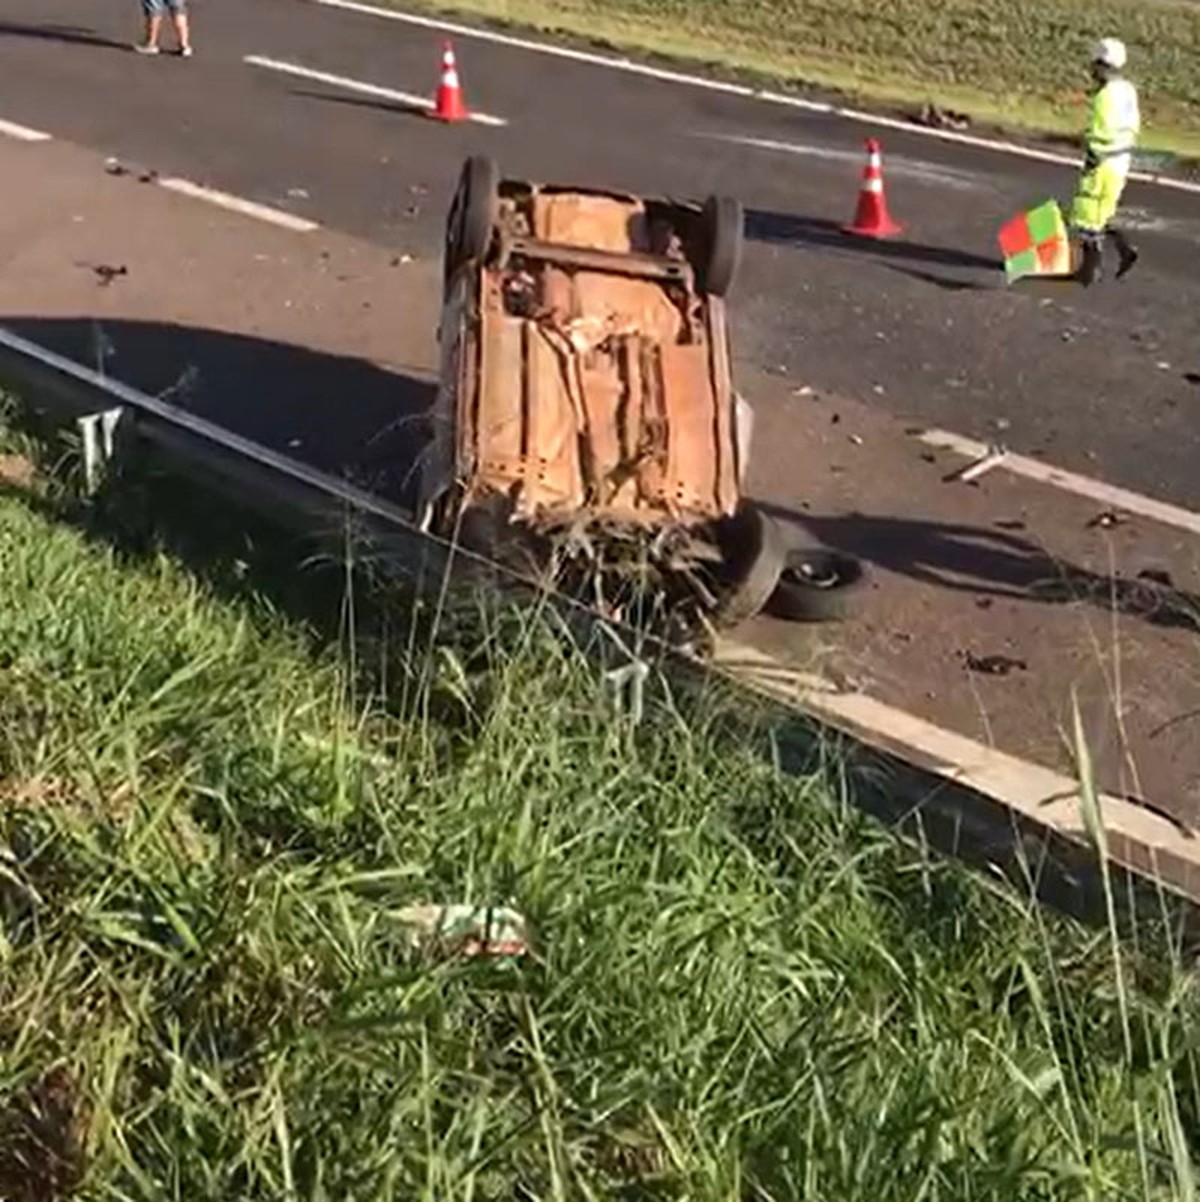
[
  {"x": 1019, "y": 63},
  {"x": 738, "y": 986}
]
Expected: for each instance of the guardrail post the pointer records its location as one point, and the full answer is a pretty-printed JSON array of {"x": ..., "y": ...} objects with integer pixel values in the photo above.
[
  {"x": 100, "y": 433},
  {"x": 629, "y": 683}
]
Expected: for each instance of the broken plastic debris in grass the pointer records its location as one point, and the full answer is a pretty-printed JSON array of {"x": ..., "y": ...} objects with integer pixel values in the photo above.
[{"x": 493, "y": 931}]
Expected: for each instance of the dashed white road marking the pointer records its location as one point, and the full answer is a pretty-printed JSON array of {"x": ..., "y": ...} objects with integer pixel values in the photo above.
[
  {"x": 895, "y": 164},
  {"x": 10, "y": 129},
  {"x": 733, "y": 89},
  {"x": 237, "y": 204},
  {"x": 1109, "y": 495},
  {"x": 360, "y": 86}
]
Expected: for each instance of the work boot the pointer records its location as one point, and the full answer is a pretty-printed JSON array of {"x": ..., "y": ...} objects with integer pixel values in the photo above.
[
  {"x": 1089, "y": 264},
  {"x": 1126, "y": 252}
]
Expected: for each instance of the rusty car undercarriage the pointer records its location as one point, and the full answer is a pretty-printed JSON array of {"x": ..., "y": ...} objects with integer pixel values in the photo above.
[{"x": 586, "y": 428}]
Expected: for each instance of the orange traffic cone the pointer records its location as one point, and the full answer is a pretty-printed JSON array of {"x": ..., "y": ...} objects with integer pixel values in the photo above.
[
  {"x": 449, "y": 106},
  {"x": 871, "y": 218}
]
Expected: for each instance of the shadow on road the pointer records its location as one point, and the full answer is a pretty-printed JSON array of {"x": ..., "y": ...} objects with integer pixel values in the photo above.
[
  {"x": 990, "y": 563},
  {"x": 73, "y": 34},
  {"x": 789, "y": 229},
  {"x": 947, "y": 283},
  {"x": 343, "y": 415},
  {"x": 363, "y": 102}
]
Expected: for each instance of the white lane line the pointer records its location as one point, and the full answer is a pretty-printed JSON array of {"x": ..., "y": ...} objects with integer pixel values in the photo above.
[
  {"x": 236, "y": 204},
  {"x": 896, "y": 164},
  {"x": 1096, "y": 490},
  {"x": 733, "y": 89},
  {"x": 358, "y": 85},
  {"x": 10, "y": 129}
]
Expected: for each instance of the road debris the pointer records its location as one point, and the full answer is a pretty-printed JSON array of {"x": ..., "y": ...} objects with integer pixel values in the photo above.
[
  {"x": 1107, "y": 520},
  {"x": 463, "y": 929},
  {"x": 972, "y": 471},
  {"x": 934, "y": 117},
  {"x": 113, "y": 167},
  {"x": 298, "y": 193},
  {"x": 105, "y": 272},
  {"x": 993, "y": 665}
]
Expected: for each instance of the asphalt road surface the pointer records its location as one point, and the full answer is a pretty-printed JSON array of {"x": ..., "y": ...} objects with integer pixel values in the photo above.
[{"x": 1101, "y": 381}]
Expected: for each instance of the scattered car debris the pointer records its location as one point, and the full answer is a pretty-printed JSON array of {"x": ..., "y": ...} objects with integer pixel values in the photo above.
[
  {"x": 995, "y": 456},
  {"x": 993, "y": 665},
  {"x": 106, "y": 272},
  {"x": 463, "y": 929},
  {"x": 935, "y": 117}
]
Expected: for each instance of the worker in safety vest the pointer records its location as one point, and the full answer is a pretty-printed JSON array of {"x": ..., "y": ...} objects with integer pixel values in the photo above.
[{"x": 1108, "y": 150}]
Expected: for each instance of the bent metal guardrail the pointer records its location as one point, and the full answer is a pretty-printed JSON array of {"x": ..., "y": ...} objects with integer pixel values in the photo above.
[{"x": 890, "y": 778}]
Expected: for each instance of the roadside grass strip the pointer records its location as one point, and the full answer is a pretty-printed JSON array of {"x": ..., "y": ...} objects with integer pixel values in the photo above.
[{"x": 217, "y": 815}]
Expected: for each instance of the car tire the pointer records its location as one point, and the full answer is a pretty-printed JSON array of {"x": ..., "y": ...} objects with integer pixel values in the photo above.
[
  {"x": 723, "y": 223},
  {"x": 752, "y": 551},
  {"x": 473, "y": 212},
  {"x": 817, "y": 585}
]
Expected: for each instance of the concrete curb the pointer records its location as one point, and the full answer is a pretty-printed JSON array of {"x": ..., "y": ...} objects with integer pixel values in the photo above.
[{"x": 1137, "y": 839}]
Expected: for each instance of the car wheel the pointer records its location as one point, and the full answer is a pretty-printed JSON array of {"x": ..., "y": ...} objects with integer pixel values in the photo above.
[
  {"x": 752, "y": 551},
  {"x": 723, "y": 222},
  {"x": 473, "y": 212},
  {"x": 816, "y": 585}
]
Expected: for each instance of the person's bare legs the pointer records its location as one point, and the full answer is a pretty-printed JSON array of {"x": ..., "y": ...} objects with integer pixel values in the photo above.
[
  {"x": 182, "y": 32},
  {"x": 151, "y": 30}
]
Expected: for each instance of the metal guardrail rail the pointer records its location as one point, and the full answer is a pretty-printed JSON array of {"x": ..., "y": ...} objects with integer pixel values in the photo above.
[{"x": 923, "y": 799}]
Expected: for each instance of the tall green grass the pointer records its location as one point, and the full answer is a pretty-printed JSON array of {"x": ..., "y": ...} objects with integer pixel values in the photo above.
[{"x": 740, "y": 987}]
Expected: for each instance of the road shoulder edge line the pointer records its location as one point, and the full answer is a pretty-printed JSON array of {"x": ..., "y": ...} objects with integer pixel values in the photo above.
[
  {"x": 1111, "y": 495},
  {"x": 1136, "y": 838},
  {"x": 859, "y": 116},
  {"x": 22, "y": 133}
]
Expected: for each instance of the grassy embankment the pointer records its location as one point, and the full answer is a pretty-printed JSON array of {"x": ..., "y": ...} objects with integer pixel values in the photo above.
[
  {"x": 740, "y": 988},
  {"x": 1020, "y": 64}
]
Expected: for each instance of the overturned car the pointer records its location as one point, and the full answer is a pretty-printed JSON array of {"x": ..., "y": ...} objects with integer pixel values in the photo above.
[{"x": 586, "y": 429}]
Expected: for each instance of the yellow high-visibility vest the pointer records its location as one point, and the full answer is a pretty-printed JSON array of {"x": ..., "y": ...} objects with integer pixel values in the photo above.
[{"x": 1115, "y": 122}]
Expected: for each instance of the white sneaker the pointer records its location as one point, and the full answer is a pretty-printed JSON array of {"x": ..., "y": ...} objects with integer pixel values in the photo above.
[
  {"x": 143, "y": 48},
  {"x": 185, "y": 52}
]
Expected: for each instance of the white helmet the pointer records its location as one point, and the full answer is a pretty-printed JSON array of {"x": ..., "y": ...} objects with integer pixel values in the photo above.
[{"x": 1110, "y": 52}]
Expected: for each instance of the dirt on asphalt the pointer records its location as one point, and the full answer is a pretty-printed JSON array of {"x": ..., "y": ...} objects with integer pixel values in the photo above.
[{"x": 991, "y": 608}]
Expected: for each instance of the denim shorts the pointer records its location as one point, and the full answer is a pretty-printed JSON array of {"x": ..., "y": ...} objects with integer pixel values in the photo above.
[{"x": 156, "y": 8}]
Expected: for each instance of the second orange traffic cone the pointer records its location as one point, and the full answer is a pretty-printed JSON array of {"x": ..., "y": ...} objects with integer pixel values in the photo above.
[
  {"x": 448, "y": 105},
  {"x": 871, "y": 218}
]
